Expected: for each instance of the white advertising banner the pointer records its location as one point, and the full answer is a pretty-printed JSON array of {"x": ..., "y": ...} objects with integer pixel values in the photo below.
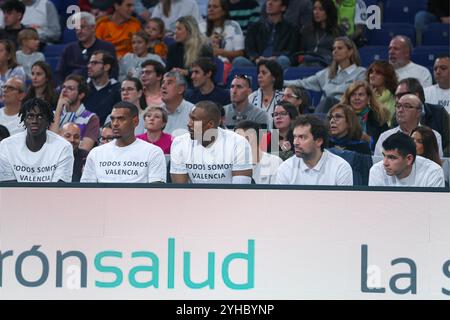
[{"x": 168, "y": 243}]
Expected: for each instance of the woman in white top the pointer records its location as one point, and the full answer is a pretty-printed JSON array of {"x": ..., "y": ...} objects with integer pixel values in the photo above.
[
  {"x": 270, "y": 80},
  {"x": 225, "y": 35},
  {"x": 170, "y": 10},
  {"x": 333, "y": 81}
]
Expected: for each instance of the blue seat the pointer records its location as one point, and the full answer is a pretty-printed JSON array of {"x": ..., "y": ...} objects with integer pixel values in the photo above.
[
  {"x": 425, "y": 55},
  {"x": 248, "y": 71},
  {"x": 360, "y": 163},
  {"x": 437, "y": 34},
  {"x": 168, "y": 40},
  {"x": 402, "y": 10},
  {"x": 314, "y": 97},
  {"x": 293, "y": 73},
  {"x": 69, "y": 35},
  {"x": 218, "y": 78},
  {"x": 53, "y": 62},
  {"x": 369, "y": 54},
  {"x": 53, "y": 50},
  {"x": 382, "y": 37}
]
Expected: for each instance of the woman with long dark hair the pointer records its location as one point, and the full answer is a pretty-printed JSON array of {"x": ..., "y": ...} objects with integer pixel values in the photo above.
[
  {"x": 42, "y": 85},
  {"x": 426, "y": 144}
]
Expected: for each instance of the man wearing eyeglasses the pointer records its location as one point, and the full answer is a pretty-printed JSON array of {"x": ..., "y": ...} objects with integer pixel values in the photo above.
[
  {"x": 70, "y": 108},
  {"x": 37, "y": 154},
  {"x": 408, "y": 110},
  {"x": 13, "y": 94},
  {"x": 104, "y": 90},
  {"x": 240, "y": 108},
  {"x": 433, "y": 116}
]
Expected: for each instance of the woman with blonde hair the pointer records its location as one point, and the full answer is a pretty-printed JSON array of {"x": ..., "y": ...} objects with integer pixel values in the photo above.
[
  {"x": 155, "y": 119},
  {"x": 332, "y": 82},
  {"x": 189, "y": 45},
  {"x": 372, "y": 115}
]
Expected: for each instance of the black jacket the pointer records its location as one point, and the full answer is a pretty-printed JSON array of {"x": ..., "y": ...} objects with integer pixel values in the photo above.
[{"x": 286, "y": 40}]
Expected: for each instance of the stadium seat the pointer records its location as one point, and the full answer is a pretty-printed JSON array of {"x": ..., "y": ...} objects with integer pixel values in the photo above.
[
  {"x": 53, "y": 62},
  {"x": 437, "y": 34},
  {"x": 425, "y": 55},
  {"x": 402, "y": 10},
  {"x": 369, "y": 54},
  {"x": 218, "y": 78},
  {"x": 53, "y": 50},
  {"x": 382, "y": 37},
  {"x": 69, "y": 35},
  {"x": 293, "y": 73},
  {"x": 248, "y": 71},
  {"x": 314, "y": 97}
]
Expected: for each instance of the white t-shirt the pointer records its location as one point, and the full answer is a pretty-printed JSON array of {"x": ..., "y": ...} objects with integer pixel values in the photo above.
[
  {"x": 54, "y": 162},
  {"x": 331, "y": 170},
  {"x": 436, "y": 95},
  {"x": 265, "y": 172},
  {"x": 178, "y": 8},
  {"x": 424, "y": 173},
  {"x": 12, "y": 123},
  {"x": 213, "y": 164},
  {"x": 379, "y": 146},
  {"x": 139, "y": 162},
  {"x": 414, "y": 70}
]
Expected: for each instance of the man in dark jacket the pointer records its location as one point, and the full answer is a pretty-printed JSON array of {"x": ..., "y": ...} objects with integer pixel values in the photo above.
[{"x": 272, "y": 38}]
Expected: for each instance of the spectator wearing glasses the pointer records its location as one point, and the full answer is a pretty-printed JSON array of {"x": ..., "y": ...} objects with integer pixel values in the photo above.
[
  {"x": 104, "y": 90},
  {"x": 76, "y": 55},
  {"x": 345, "y": 130},
  {"x": 106, "y": 133},
  {"x": 13, "y": 95},
  {"x": 281, "y": 140},
  {"x": 240, "y": 108},
  {"x": 131, "y": 90},
  {"x": 298, "y": 97},
  {"x": 402, "y": 167},
  {"x": 24, "y": 155},
  {"x": 70, "y": 108},
  {"x": 8, "y": 64},
  {"x": 433, "y": 116},
  {"x": 408, "y": 112},
  {"x": 71, "y": 132}
]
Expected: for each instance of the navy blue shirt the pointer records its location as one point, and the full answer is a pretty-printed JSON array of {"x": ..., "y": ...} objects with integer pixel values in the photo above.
[{"x": 218, "y": 95}]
